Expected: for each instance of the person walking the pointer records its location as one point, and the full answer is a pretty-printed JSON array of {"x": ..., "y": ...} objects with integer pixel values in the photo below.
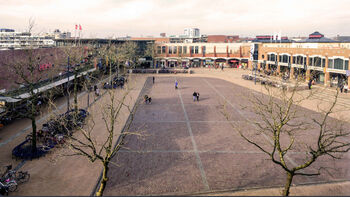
[
  {"x": 197, "y": 96},
  {"x": 341, "y": 87},
  {"x": 310, "y": 83},
  {"x": 194, "y": 96},
  {"x": 97, "y": 91},
  {"x": 176, "y": 84},
  {"x": 346, "y": 88},
  {"x": 153, "y": 79}
]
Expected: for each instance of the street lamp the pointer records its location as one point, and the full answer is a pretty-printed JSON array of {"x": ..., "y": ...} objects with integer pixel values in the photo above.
[{"x": 255, "y": 67}]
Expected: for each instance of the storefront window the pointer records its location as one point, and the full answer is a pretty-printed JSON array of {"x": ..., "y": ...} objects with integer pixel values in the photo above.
[
  {"x": 310, "y": 61},
  {"x": 346, "y": 64},
  {"x": 300, "y": 60},
  {"x": 323, "y": 62},
  {"x": 317, "y": 61},
  {"x": 330, "y": 63},
  {"x": 170, "y": 50},
  {"x": 338, "y": 63}
]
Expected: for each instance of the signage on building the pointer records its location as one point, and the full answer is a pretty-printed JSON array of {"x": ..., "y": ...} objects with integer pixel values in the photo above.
[
  {"x": 252, "y": 51},
  {"x": 348, "y": 73}
]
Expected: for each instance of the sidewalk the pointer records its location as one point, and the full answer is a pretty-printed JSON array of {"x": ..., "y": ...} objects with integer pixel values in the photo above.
[{"x": 56, "y": 174}]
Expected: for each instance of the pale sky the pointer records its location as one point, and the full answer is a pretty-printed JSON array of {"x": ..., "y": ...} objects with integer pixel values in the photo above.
[{"x": 107, "y": 18}]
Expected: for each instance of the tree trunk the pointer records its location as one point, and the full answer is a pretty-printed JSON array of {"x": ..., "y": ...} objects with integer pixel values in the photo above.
[
  {"x": 288, "y": 183},
  {"x": 104, "y": 179},
  {"x": 76, "y": 91},
  {"x": 32, "y": 117}
]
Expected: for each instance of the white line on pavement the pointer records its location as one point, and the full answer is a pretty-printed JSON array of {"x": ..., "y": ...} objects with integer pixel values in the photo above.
[
  {"x": 239, "y": 111},
  {"x": 199, "y": 162}
]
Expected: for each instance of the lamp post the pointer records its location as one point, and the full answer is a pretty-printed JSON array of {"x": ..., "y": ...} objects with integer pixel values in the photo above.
[{"x": 255, "y": 68}]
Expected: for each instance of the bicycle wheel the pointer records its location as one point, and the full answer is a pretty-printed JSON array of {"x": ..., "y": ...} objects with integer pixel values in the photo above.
[{"x": 12, "y": 187}]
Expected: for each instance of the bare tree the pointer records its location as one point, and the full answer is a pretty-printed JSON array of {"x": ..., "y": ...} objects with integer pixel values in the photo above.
[
  {"x": 85, "y": 143},
  {"x": 150, "y": 52},
  {"x": 280, "y": 126},
  {"x": 27, "y": 74},
  {"x": 128, "y": 53}
]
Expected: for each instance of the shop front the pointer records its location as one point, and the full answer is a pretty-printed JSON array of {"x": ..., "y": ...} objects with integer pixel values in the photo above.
[
  {"x": 220, "y": 62},
  {"x": 209, "y": 63},
  {"x": 233, "y": 63},
  {"x": 196, "y": 63}
]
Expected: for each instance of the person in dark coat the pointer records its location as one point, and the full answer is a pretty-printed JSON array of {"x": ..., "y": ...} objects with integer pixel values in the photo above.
[
  {"x": 153, "y": 79},
  {"x": 194, "y": 96},
  {"x": 197, "y": 96},
  {"x": 310, "y": 83}
]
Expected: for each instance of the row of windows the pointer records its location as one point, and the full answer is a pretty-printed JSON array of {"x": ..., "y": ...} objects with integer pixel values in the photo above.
[
  {"x": 180, "y": 49},
  {"x": 336, "y": 63}
]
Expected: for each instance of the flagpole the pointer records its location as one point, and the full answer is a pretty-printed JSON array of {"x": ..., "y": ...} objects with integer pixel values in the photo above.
[{"x": 75, "y": 35}]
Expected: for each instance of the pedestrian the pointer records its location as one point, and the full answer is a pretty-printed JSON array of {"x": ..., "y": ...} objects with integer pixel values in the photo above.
[
  {"x": 146, "y": 98},
  {"x": 197, "y": 96},
  {"x": 310, "y": 83},
  {"x": 222, "y": 67},
  {"x": 194, "y": 96},
  {"x": 176, "y": 84},
  {"x": 97, "y": 92},
  {"x": 346, "y": 87},
  {"x": 341, "y": 87},
  {"x": 153, "y": 79}
]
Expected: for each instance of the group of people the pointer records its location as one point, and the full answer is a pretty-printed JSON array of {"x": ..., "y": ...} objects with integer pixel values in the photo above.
[
  {"x": 147, "y": 99},
  {"x": 195, "y": 96},
  {"x": 343, "y": 86}
]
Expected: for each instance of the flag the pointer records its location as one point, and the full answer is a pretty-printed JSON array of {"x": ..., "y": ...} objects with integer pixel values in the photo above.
[
  {"x": 76, "y": 26},
  {"x": 79, "y": 27}
]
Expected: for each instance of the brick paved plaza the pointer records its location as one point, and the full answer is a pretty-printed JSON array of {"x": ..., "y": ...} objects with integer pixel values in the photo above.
[{"x": 188, "y": 147}]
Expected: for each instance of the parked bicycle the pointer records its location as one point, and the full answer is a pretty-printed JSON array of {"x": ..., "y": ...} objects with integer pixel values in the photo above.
[
  {"x": 13, "y": 175},
  {"x": 7, "y": 186}
]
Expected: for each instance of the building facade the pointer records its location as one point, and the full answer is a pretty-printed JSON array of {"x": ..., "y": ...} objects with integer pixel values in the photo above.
[
  {"x": 326, "y": 63},
  {"x": 10, "y": 39},
  {"x": 201, "y": 54}
]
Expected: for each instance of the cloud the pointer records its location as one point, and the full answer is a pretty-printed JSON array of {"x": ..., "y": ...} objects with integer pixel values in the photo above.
[{"x": 151, "y": 17}]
